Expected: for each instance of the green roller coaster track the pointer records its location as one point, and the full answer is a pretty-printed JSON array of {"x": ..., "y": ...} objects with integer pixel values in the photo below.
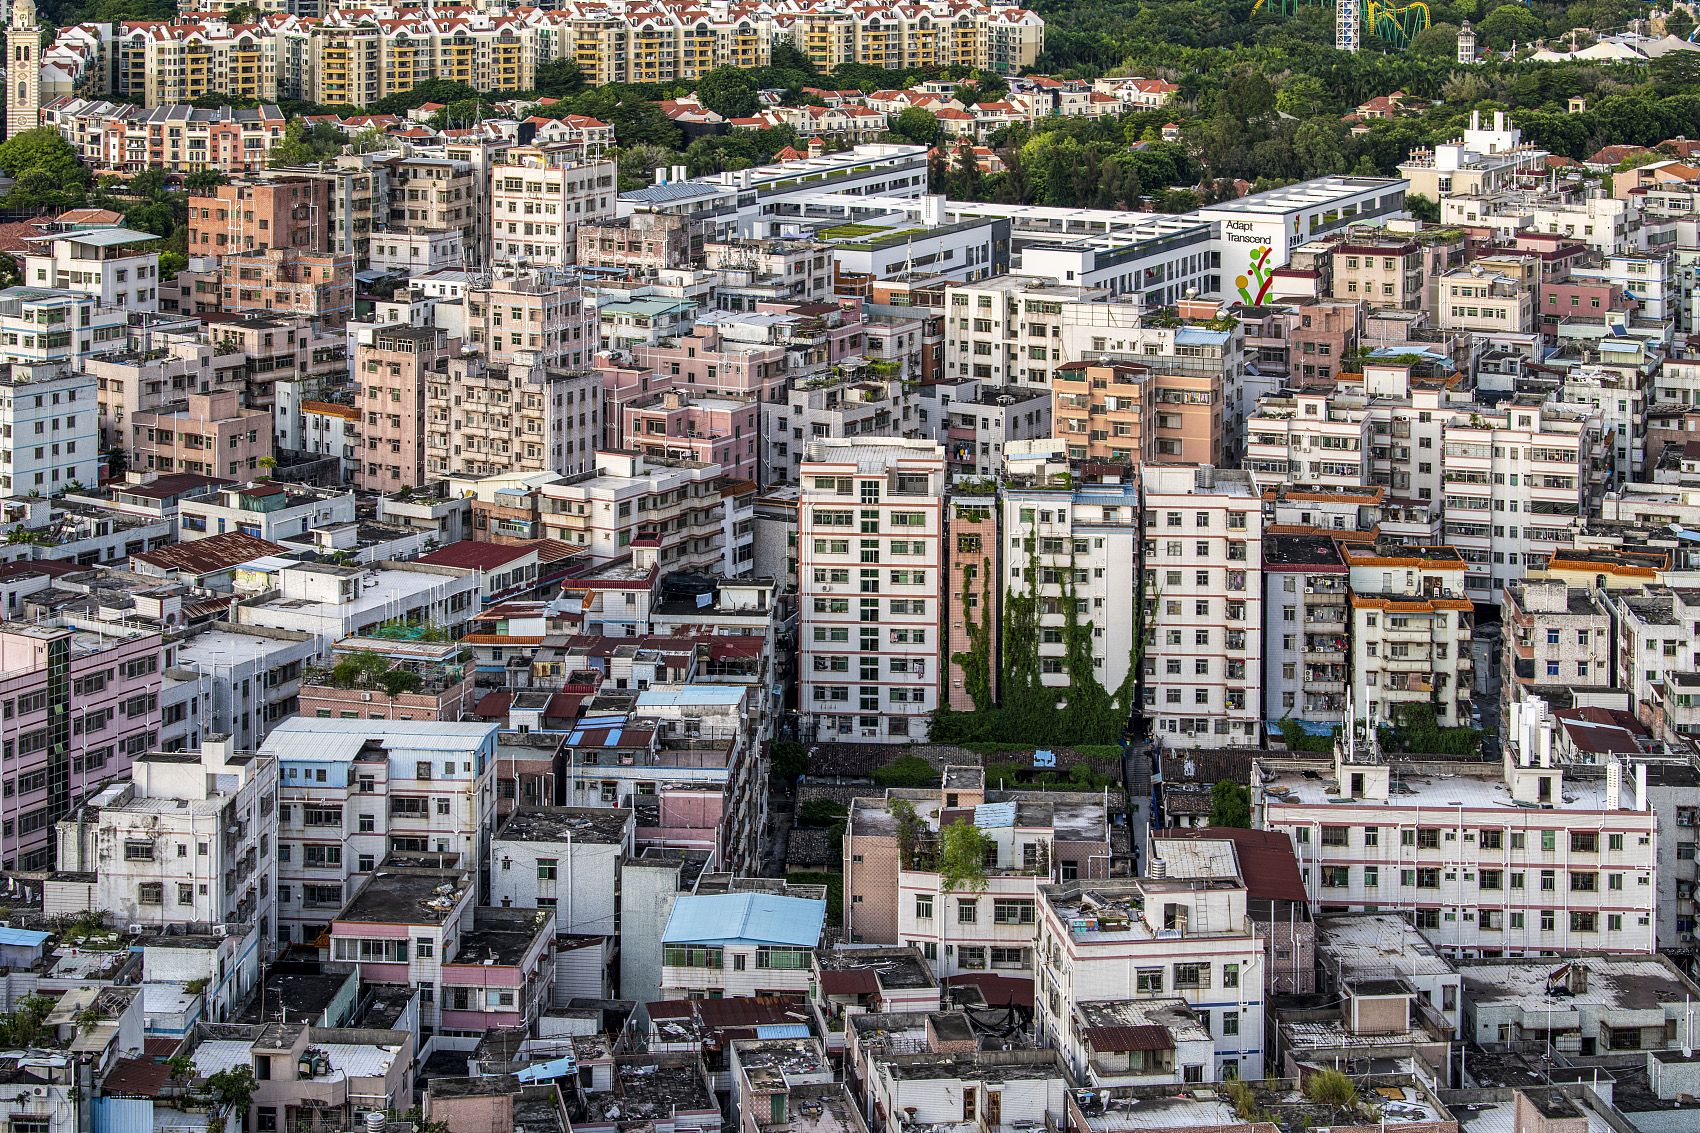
[{"x": 1397, "y": 24}]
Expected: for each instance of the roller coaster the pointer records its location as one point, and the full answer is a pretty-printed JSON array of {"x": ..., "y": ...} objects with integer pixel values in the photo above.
[{"x": 1397, "y": 24}]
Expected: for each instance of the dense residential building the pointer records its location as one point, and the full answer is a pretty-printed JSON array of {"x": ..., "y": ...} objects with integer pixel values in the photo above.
[
  {"x": 1570, "y": 867},
  {"x": 393, "y": 372},
  {"x": 1203, "y": 595},
  {"x": 1306, "y": 628},
  {"x": 484, "y": 418},
  {"x": 253, "y": 216},
  {"x": 1409, "y": 636},
  {"x": 50, "y": 423},
  {"x": 353, "y": 792},
  {"x": 111, "y": 264},
  {"x": 120, "y": 137},
  {"x": 539, "y": 195},
  {"x": 870, "y": 657}
]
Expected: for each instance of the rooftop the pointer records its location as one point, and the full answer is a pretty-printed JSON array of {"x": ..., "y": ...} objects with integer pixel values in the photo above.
[
  {"x": 1438, "y": 784},
  {"x": 735, "y": 918},
  {"x": 604, "y": 825},
  {"x": 1612, "y": 982},
  {"x": 407, "y": 896},
  {"x": 895, "y": 967},
  {"x": 1376, "y": 942}
]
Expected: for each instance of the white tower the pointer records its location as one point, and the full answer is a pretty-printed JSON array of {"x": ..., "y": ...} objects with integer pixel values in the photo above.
[
  {"x": 1346, "y": 25},
  {"x": 1466, "y": 44},
  {"x": 23, "y": 70}
]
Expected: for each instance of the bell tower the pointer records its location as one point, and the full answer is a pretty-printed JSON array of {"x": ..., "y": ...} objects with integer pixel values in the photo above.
[{"x": 23, "y": 69}]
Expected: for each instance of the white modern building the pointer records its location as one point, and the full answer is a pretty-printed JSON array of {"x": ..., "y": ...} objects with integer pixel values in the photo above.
[
  {"x": 539, "y": 197},
  {"x": 49, "y": 429},
  {"x": 108, "y": 263},
  {"x": 566, "y": 859},
  {"x": 352, "y": 792},
  {"x": 869, "y": 545},
  {"x": 1204, "y": 600}
]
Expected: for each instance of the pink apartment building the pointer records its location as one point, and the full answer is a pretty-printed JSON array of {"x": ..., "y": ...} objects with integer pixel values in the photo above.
[
  {"x": 622, "y": 384},
  {"x": 77, "y": 707},
  {"x": 210, "y": 434},
  {"x": 712, "y": 428},
  {"x": 1578, "y": 296},
  {"x": 750, "y": 352},
  {"x": 390, "y": 376}
]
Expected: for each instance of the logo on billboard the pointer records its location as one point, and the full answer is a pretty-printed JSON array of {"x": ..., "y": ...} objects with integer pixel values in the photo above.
[{"x": 1261, "y": 275}]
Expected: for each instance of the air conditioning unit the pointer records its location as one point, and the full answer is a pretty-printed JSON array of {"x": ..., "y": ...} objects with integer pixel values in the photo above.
[
  {"x": 365, "y": 696},
  {"x": 138, "y": 929},
  {"x": 221, "y": 930}
]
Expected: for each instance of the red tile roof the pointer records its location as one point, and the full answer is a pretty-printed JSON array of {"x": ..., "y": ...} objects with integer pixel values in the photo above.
[
  {"x": 1267, "y": 864},
  {"x": 478, "y": 556},
  {"x": 849, "y": 981}
]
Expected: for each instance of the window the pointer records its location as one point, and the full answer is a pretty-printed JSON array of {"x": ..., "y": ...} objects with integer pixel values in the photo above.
[
  {"x": 1230, "y": 1022},
  {"x": 1012, "y": 912},
  {"x": 150, "y": 893},
  {"x": 546, "y": 869},
  {"x": 138, "y": 851},
  {"x": 923, "y": 908},
  {"x": 967, "y": 912},
  {"x": 1149, "y": 980},
  {"x": 690, "y": 956},
  {"x": 1230, "y": 975},
  {"x": 1192, "y": 976},
  {"x": 1584, "y": 842},
  {"x": 1490, "y": 839}
]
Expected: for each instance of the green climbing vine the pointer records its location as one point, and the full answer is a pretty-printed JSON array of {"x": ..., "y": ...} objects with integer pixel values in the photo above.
[
  {"x": 1028, "y": 711},
  {"x": 976, "y": 660}
]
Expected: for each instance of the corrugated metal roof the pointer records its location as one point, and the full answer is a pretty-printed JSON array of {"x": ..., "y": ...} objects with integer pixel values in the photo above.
[
  {"x": 783, "y": 1031},
  {"x": 737, "y": 918},
  {"x": 991, "y": 815},
  {"x": 338, "y": 740},
  {"x": 849, "y": 981},
  {"x": 23, "y": 936},
  {"x": 692, "y": 694},
  {"x": 1148, "y": 1036}
]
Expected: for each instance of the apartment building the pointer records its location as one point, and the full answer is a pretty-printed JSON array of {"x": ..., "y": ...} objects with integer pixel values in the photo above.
[
  {"x": 84, "y": 704},
  {"x": 116, "y": 265},
  {"x": 526, "y": 317},
  {"x": 51, "y": 424},
  {"x": 886, "y": 494},
  {"x": 1203, "y": 598},
  {"x": 206, "y": 433},
  {"x": 253, "y": 216},
  {"x": 432, "y": 194},
  {"x": 1380, "y": 273},
  {"x": 709, "y": 429},
  {"x": 1411, "y": 622},
  {"x": 1656, "y": 661},
  {"x": 977, "y": 423},
  {"x": 285, "y": 281},
  {"x": 1154, "y": 951},
  {"x": 1073, "y": 545},
  {"x": 119, "y": 137},
  {"x": 771, "y": 939},
  {"x": 641, "y": 244},
  {"x": 394, "y": 370},
  {"x": 628, "y": 498},
  {"x": 1309, "y": 437},
  {"x": 353, "y": 792},
  {"x": 334, "y": 602},
  {"x": 1483, "y": 159},
  {"x": 903, "y": 899},
  {"x": 1484, "y": 303},
  {"x": 1569, "y": 865},
  {"x": 1305, "y": 628},
  {"x": 846, "y": 402},
  {"x": 483, "y": 418},
  {"x": 41, "y": 325},
  {"x": 1555, "y": 635},
  {"x": 196, "y": 835},
  {"x": 1531, "y": 463},
  {"x": 539, "y": 195},
  {"x": 255, "y": 676}
]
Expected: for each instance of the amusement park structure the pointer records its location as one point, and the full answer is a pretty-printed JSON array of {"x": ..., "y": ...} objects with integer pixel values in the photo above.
[{"x": 1396, "y": 23}]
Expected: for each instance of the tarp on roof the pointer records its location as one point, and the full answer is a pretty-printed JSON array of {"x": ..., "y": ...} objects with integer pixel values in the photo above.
[
  {"x": 990, "y": 816},
  {"x": 745, "y": 918},
  {"x": 783, "y": 1031},
  {"x": 548, "y": 1071},
  {"x": 24, "y": 936}
]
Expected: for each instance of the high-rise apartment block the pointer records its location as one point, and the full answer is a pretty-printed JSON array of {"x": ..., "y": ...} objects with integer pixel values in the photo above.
[
  {"x": 1411, "y": 622},
  {"x": 254, "y": 216},
  {"x": 538, "y": 198},
  {"x": 392, "y": 373},
  {"x": 1203, "y": 599},
  {"x": 869, "y": 538}
]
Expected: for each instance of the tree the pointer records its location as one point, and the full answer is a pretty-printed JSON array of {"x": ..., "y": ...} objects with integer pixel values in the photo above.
[
  {"x": 821, "y": 812},
  {"x": 202, "y": 180},
  {"x": 1439, "y": 41},
  {"x": 1679, "y": 23},
  {"x": 786, "y": 57},
  {"x": 909, "y": 771},
  {"x": 1423, "y": 208},
  {"x": 918, "y": 126},
  {"x": 233, "y": 1090},
  {"x": 1510, "y": 23},
  {"x": 559, "y": 78},
  {"x": 1230, "y": 805},
  {"x": 790, "y": 761},
  {"x": 45, "y": 150},
  {"x": 962, "y": 857},
  {"x": 728, "y": 91}
]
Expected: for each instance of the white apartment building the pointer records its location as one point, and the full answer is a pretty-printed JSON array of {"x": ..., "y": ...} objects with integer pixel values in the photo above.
[
  {"x": 771, "y": 939},
  {"x": 1311, "y": 438},
  {"x": 538, "y": 198},
  {"x": 1658, "y": 644},
  {"x": 1517, "y": 481},
  {"x": 1306, "y": 628},
  {"x": 254, "y": 677},
  {"x": 566, "y": 859},
  {"x": 352, "y": 792},
  {"x": 483, "y": 419},
  {"x": 1190, "y": 943},
  {"x": 1409, "y": 633},
  {"x": 826, "y": 405},
  {"x": 49, "y": 429},
  {"x": 334, "y": 602},
  {"x": 869, "y": 553},
  {"x": 1074, "y": 542},
  {"x": 39, "y": 325},
  {"x": 1204, "y": 602},
  {"x": 103, "y": 262},
  {"x": 679, "y": 503},
  {"x": 188, "y": 838},
  {"x": 1525, "y": 860},
  {"x": 1620, "y": 393}
]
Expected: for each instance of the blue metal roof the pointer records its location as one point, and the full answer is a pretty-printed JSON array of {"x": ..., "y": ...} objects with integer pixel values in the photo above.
[
  {"x": 691, "y": 694},
  {"x": 673, "y": 191},
  {"x": 23, "y": 936},
  {"x": 782, "y": 1031},
  {"x": 1200, "y": 336},
  {"x": 991, "y": 815},
  {"x": 545, "y": 1071},
  {"x": 745, "y": 918}
]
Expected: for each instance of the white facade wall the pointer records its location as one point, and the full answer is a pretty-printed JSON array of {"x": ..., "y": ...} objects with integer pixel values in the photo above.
[
  {"x": 584, "y": 891},
  {"x": 49, "y": 431}
]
